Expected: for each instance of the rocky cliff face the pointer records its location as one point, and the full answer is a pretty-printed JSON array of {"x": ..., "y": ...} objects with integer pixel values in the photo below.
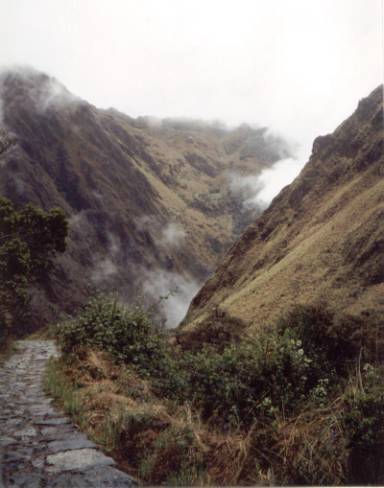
[
  {"x": 149, "y": 202},
  {"x": 322, "y": 238}
]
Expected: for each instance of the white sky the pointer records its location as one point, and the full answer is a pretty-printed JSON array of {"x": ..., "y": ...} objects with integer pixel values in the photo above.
[{"x": 298, "y": 66}]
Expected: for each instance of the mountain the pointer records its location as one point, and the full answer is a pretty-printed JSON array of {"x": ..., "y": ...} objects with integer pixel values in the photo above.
[
  {"x": 320, "y": 241},
  {"x": 149, "y": 201}
]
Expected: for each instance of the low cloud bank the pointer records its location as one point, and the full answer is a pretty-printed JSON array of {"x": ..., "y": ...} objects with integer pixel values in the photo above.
[
  {"x": 259, "y": 190},
  {"x": 105, "y": 267},
  {"x": 175, "y": 292},
  {"x": 171, "y": 290},
  {"x": 173, "y": 235},
  {"x": 1, "y": 110},
  {"x": 103, "y": 270}
]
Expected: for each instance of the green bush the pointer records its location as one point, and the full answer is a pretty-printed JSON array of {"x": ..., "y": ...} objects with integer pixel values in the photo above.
[
  {"x": 333, "y": 341},
  {"x": 250, "y": 380},
  {"x": 126, "y": 333},
  {"x": 174, "y": 451},
  {"x": 363, "y": 424},
  {"x": 364, "y": 417}
]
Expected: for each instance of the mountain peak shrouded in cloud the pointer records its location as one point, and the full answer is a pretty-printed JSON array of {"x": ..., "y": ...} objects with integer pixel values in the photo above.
[{"x": 24, "y": 86}]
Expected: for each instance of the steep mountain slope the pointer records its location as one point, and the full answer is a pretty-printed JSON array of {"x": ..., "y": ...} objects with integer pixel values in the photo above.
[
  {"x": 322, "y": 238},
  {"x": 149, "y": 201}
]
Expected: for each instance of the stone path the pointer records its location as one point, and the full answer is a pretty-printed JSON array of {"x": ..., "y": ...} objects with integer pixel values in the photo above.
[{"x": 39, "y": 447}]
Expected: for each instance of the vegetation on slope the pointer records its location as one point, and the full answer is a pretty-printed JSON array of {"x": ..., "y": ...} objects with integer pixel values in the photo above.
[
  {"x": 302, "y": 403},
  {"x": 321, "y": 239},
  {"x": 29, "y": 240}
]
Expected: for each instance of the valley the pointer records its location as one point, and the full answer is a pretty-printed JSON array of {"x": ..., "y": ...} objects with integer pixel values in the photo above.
[
  {"x": 149, "y": 202},
  {"x": 274, "y": 376}
]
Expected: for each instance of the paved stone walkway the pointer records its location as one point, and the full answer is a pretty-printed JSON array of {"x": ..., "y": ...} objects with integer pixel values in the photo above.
[{"x": 39, "y": 447}]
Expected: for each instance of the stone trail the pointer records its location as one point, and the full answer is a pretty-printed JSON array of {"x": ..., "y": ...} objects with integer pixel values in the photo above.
[{"x": 39, "y": 447}]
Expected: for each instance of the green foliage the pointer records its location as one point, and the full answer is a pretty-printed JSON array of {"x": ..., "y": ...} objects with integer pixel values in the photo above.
[
  {"x": 254, "y": 379},
  {"x": 58, "y": 385},
  {"x": 251, "y": 380},
  {"x": 29, "y": 240},
  {"x": 364, "y": 417},
  {"x": 174, "y": 459},
  {"x": 363, "y": 425},
  {"x": 126, "y": 333},
  {"x": 332, "y": 340}
]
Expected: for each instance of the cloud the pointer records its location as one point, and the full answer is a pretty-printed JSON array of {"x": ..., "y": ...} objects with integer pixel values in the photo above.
[
  {"x": 173, "y": 235},
  {"x": 54, "y": 94},
  {"x": 105, "y": 264},
  {"x": 148, "y": 223},
  {"x": 258, "y": 190},
  {"x": 1, "y": 110},
  {"x": 105, "y": 267},
  {"x": 103, "y": 270},
  {"x": 40, "y": 90},
  {"x": 19, "y": 184},
  {"x": 79, "y": 224},
  {"x": 272, "y": 180},
  {"x": 245, "y": 186},
  {"x": 177, "y": 289},
  {"x": 168, "y": 236}
]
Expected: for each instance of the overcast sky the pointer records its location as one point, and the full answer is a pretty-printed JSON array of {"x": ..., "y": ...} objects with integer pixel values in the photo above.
[{"x": 298, "y": 66}]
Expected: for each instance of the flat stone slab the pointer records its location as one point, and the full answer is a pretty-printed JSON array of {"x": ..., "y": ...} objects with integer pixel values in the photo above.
[
  {"x": 54, "y": 421},
  {"x": 78, "y": 459},
  {"x": 61, "y": 432},
  {"x": 7, "y": 441},
  {"x": 27, "y": 432},
  {"x": 98, "y": 477},
  {"x": 70, "y": 444}
]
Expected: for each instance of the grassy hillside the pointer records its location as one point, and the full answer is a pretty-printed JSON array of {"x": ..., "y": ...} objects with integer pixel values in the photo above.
[{"x": 321, "y": 240}]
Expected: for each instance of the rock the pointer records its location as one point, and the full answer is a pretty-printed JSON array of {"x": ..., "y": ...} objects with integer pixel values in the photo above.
[
  {"x": 70, "y": 444},
  {"x": 60, "y": 433},
  {"x": 54, "y": 421},
  {"x": 27, "y": 432},
  {"x": 78, "y": 459},
  {"x": 23, "y": 480},
  {"x": 6, "y": 441},
  {"x": 100, "y": 477}
]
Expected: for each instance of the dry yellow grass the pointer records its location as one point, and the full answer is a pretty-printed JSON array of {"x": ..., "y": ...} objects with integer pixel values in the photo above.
[{"x": 152, "y": 439}]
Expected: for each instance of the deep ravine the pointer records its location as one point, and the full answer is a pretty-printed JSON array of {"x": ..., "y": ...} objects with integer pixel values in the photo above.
[{"x": 39, "y": 447}]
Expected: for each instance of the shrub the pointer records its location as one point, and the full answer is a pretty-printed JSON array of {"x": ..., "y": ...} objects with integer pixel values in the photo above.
[
  {"x": 175, "y": 459},
  {"x": 251, "y": 380},
  {"x": 333, "y": 341},
  {"x": 364, "y": 418},
  {"x": 363, "y": 423},
  {"x": 126, "y": 333}
]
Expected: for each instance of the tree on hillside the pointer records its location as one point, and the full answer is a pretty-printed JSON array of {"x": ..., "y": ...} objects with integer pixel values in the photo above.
[{"x": 30, "y": 238}]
